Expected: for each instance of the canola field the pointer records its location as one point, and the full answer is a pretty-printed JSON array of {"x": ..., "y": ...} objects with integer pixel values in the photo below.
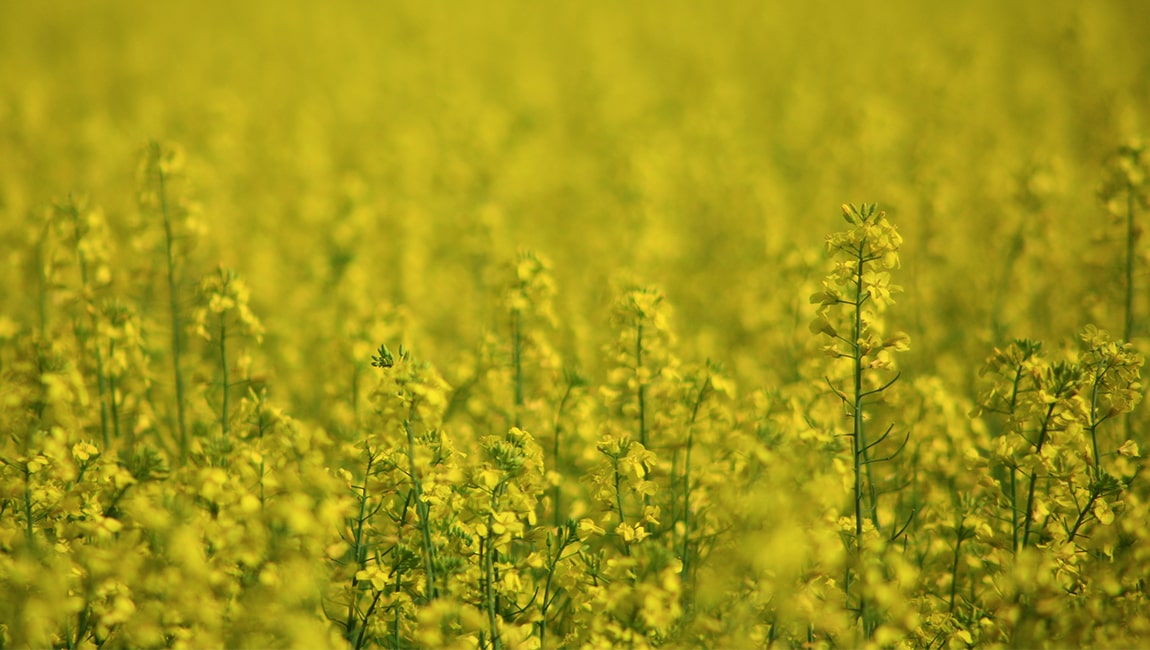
[{"x": 495, "y": 325}]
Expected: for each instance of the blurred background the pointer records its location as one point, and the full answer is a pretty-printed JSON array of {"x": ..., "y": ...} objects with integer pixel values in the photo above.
[{"x": 394, "y": 153}]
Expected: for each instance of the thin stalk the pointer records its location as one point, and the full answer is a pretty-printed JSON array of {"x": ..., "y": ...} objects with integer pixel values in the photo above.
[
  {"x": 1017, "y": 242},
  {"x": 858, "y": 438},
  {"x": 619, "y": 503},
  {"x": 685, "y": 551},
  {"x": 82, "y": 262},
  {"x": 224, "y": 371},
  {"x": 42, "y": 277},
  {"x": 1013, "y": 467},
  {"x": 1096, "y": 460},
  {"x": 555, "y": 448},
  {"x": 861, "y": 296},
  {"x": 1034, "y": 477},
  {"x": 355, "y": 393},
  {"x": 1082, "y": 514},
  {"x": 1131, "y": 241},
  {"x": 366, "y": 615},
  {"x": 1128, "y": 328},
  {"x": 359, "y": 548},
  {"x": 1014, "y": 541},
  {"x": 553, "y": 561},
  {"x": 102, "y": 387},
  {"x": 546, "y": 602},
  {"x": 642, "y": 404},
  {"x": 84, "y": 620},
  {"x": 860, "y": 447},
  {"x": 1014, "y": 471},
  {"x": 28, "y": 530},
  {"x": 642, "y": 386},
  {"x": 517, "y": 360},
  {"x": 262, "y": 425},
  {"x": 115, "y": 405},
  {"x": 960, "y": 533},
  {"x": 487, "y": 552},
  {"x": 421, "y": 508},
  {"x": 1094, "y": 416},
  {"x": 181, "y": 418},
  {"x": 684, "y": 554},
  {"x": 395, "y": 622}
]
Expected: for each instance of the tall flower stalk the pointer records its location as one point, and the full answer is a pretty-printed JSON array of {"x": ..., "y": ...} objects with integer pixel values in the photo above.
[
  {"x": 161, "y": 171},
  {"x": 1126, "y": 192},
  {"x": 855, "y": 293},
  {"x": 225, "y": 314}
]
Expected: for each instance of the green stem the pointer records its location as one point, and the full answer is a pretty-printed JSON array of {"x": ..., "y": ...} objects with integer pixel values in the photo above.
[
  {"x": 261, "y": 428},
  {"x": 421, "y": 508},
  {"x": 1034, "y": 477},
  {"x": 82, "y": 262},
  {"x": 1014, "y": 541},
  {"x": 395, "y": 621},
  {"x": 102, "y": 387},
  {"x": 517, "y": 360},
  {"x": 224, "y": 371},
  {"x": 1014, "y": 467},
  {"x": 858, "y": 438},
  {"x": 28, "y": 530},
  {"x": 642, "y": 385},
  {"x": 1128, "y": 329},
  {"x": 487, "y": 550},
  {"x": 84, "y": 620},
  {"x": 642, "y": 403},
  {"x": 1131, "y": 241},
  {"x": 553, "y": 561},
  {"x": 685, "y": 552},
  {"x": 619, "y": 502},
  {"x": 169, "y": 244},
  {"x": 1082, "y": 514},
  {"x": 366, "y": 615},
  {"x": 555, "y": 449},
  {"x": 359, "y": 548},
  {"x": 960, "y": 533},
  {"x": 115, "y": 405},
  {"x": 1094, "y": 417}
]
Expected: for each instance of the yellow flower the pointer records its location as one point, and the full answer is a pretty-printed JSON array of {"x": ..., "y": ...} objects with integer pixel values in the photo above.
[
  {"x": 588, "y": 527},
  {"x": 1129, "y": 448},
  {"x": 374, "y": 575},
  {"x": 82, "y": 451},
  {"x": 37, "y": 463}
]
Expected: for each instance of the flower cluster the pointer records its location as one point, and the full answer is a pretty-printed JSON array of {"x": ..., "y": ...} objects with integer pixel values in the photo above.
[{"x": 466, "y": 346}]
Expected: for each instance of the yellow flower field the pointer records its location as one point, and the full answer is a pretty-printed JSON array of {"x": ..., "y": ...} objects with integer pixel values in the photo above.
[{"x": 545, "y": 325}]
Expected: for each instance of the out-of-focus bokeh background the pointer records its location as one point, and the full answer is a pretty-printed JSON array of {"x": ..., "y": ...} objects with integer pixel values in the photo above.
[{"x": 394, "y": 151}]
